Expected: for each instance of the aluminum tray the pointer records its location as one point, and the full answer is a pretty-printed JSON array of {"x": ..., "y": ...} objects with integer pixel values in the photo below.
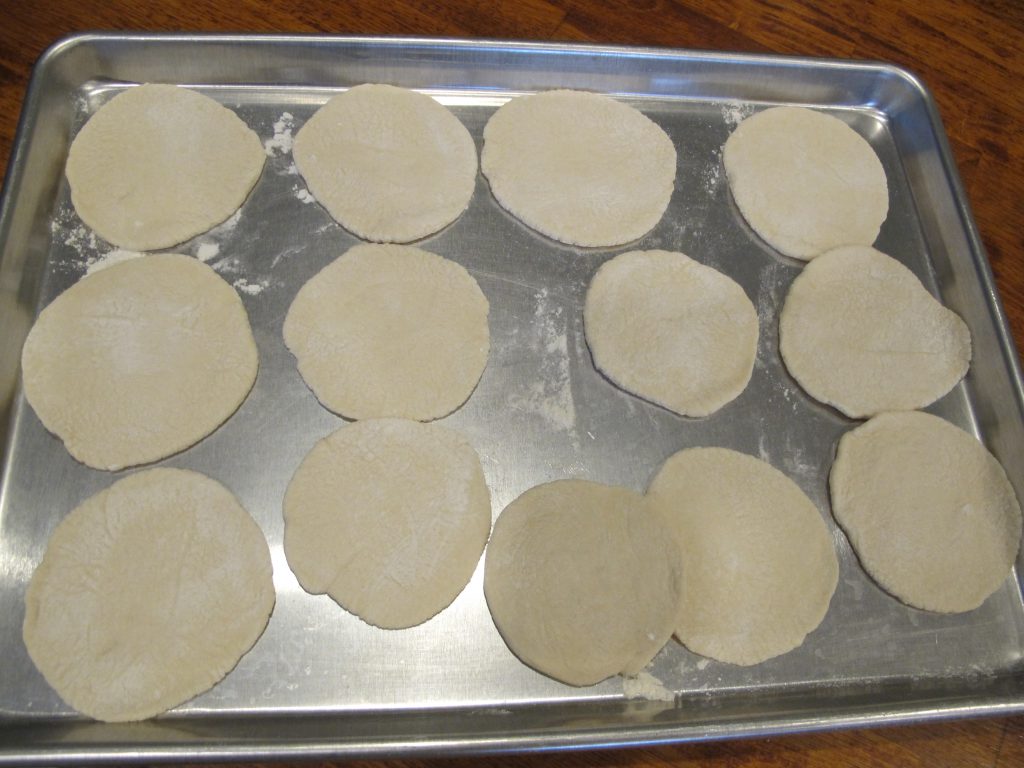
[{"x": 320, "y": 682}]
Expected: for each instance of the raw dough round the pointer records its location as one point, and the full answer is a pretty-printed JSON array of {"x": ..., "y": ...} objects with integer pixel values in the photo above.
[
  {"x": 390, "y": 331},
  {"x": 149, "y": 593},
  {"x": 582, "y": 168},
  {"x": 673, "y": 331},
  {"x": 759, "y": 562},
  {"x": 805, "y": 181},
  {"x": 860, "y": 332},
  {"x": 582, "y": 581},
  {"x": 388, "y": 164},
  {"x": 929, "y": 512},
  {"x": 140, "y": 360},
  {"x": 388, "y": 517},
  {"x": 159, "y": 164}
]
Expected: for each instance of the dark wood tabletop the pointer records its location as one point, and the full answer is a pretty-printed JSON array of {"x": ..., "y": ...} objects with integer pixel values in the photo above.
[{"x": 970, "y": 53}]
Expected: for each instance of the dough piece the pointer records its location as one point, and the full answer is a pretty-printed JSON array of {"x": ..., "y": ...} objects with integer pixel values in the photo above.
[
  {"x": 673, "y": 331},
  {"x": 390, "y": 331},
  {"x": 759, "y": 562},
  {"x": 805, "y": 181},
  {"x": 140, "y": 360},
  {"x": 582, "y": 168},
  {"x": 388, "y": 517},
  {"x": 388, "y": 164},
  {"x": 158, "y": 165},
  {"x": 149, "y": 593},
  {"x": 582, "y": 581},
  {"x": 929, "y": 512},
  {"x": 858, "y": 331}
]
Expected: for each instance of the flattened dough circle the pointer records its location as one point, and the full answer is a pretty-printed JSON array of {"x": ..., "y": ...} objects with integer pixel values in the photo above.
[
  {"x": 389, "y": 164},
  {"x": 582, "y": 581},
  {"x": 582, "y": 168},
  {"x": 390, "y": 331},
  {"x": 140, "y": 360},
  {"x": 860, "y": 332},
  {"x": 760, "y": 567},
  {"x": 159, "y": 164},
  {"x": 929, "y": 512},
  {"x": 149, "y": 593},
  {"x": 673, "y": 331},
  {"x": 805, "y": 181},
  {"x": 388, "y": 517}
]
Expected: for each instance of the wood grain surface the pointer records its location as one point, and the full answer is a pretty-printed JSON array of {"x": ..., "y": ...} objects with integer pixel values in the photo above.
[{"x": 971, "y": 55}]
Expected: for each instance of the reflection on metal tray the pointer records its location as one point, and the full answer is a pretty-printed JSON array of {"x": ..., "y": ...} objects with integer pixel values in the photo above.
[{"x": 320, "y": 681}]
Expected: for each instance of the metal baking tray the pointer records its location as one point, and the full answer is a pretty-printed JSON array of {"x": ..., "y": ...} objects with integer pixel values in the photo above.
[{"x": 322, "y": 683}]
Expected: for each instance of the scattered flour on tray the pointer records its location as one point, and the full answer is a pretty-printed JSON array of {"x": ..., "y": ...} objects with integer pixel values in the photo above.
[
  {"x": 281, "y": 142},
  {"x": 227, "y": 226},
  {"x": 550, "y": 394},
  {"x": 711, "y": 176},
  {"x": 96, "y": 263},
  {"x": 73, "y": 246},
  {"x": 207, "y": 251},
  {"x": 303, "y": 194},
  {"x": 81, "y": 238},
  {"x": 734, "y": 112},
  {"x": 646, "y": 686},
  {"x": 253, "y": 288}
]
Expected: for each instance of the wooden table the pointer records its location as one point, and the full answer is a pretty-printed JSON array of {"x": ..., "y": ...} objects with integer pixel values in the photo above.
[{"x": 971, "y": 54}]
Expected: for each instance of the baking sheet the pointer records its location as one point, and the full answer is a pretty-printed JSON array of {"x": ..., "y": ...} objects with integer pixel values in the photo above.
[{"x": 320, "y": 682}]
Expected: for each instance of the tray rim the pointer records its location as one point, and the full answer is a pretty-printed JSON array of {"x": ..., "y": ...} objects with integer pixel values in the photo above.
[{"x": 68, "y": 751}]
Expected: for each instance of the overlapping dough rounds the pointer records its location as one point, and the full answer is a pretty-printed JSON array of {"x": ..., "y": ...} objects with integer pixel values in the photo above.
[
  {"x": 805, "y": 181},
  {"x": 388, "y": 517},
  {"x": 582, "y": 168},
  {"x": 389, "y": 164},
  {"x": 929, "y": 512},
  {"x": 671, "y": 330},
  {"x": 758, "y": 560},
  {"x": 860, "y": 332},
  {"x": 159, "y": 164},
  {"x": 582, "y": 581},
  {"x": 139, "y": 360},
  {"x": 149, "y": 593},
  {"x": 390, "y": 331}
]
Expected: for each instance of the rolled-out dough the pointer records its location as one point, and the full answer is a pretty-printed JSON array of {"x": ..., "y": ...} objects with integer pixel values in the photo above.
[
  {"x": 582, "y": 168},
  {"x": 390, "y": 331},
  {"x": 929, "y": 512},
  {"x": 758, "y": 561},
  {"x": 389, "y": 164},
  {"x": 671, "y": 330},
  {"x": 860, "y": 332},
  {"x": 805, "y": 181},
  {"x": 140, "y": 360},
  {"x": 388, "y": 517},
  {"x": 582, "y": 581},
  {"x": 159, "y": 164},
  {"x": 149, "y": 593}
]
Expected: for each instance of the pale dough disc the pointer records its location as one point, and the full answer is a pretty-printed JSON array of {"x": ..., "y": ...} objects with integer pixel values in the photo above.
[
  {"x": 582, "y": 168},
  {"x": 858, "y": 331},
  {"x": 140, "y": 360},
  {"x": 388, "y": 164},
  {"x": 673, "y": 331},
  {"x": 805, "y": 181},
  {"x": 582, "y": 581},
  {"x": 159, "y": 164},
  {"x": 388, "y": 517},
  {"x": 760, "y": 567},
  {"x": 929, "y": 512},
  {"x": 149, "y": 593},
  {"x": 390, "y": 331}
]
